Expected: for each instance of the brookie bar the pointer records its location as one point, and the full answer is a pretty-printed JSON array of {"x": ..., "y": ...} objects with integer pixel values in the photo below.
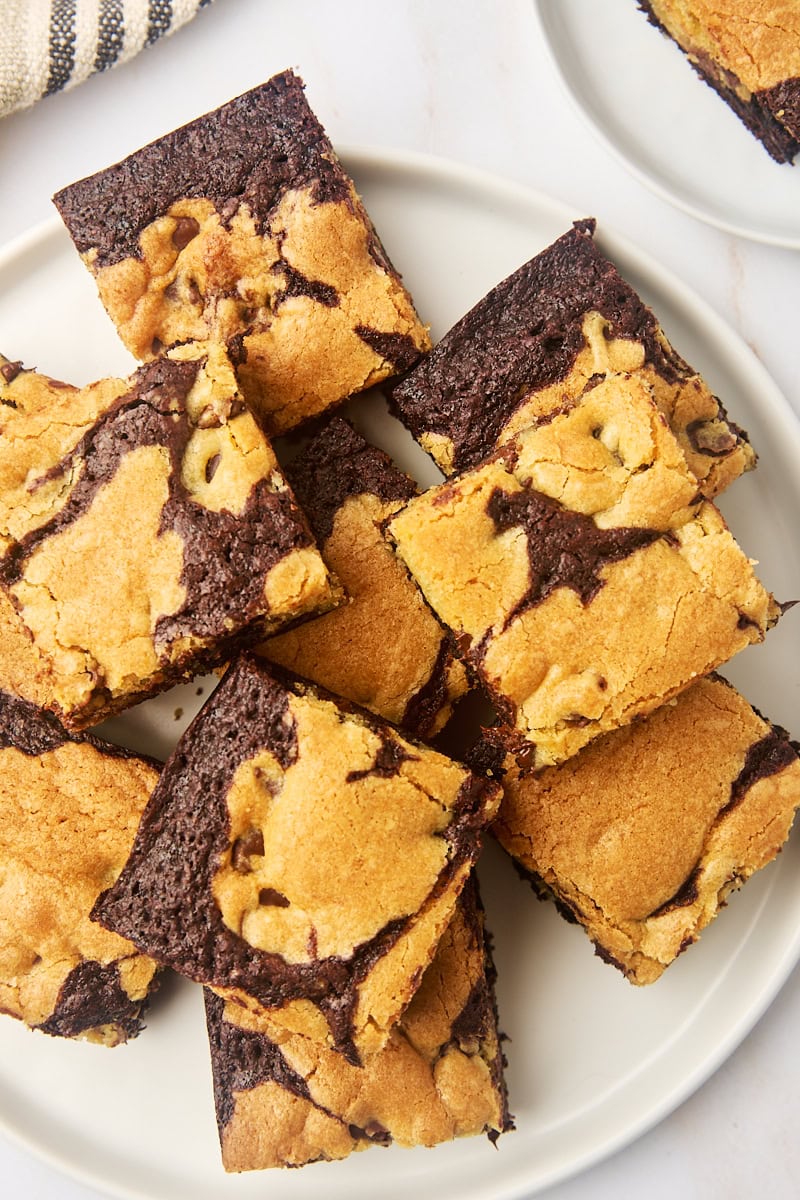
[
  {"x": 145, "y": 531},
  {"x": 69, "y": 808},
  {"x": 535, "y": 343},
  {"x": 243, "y": 228},
  {"x": 301, "y": 858},
  {"x": 384, "y": 649},
  {"x": 641, "y": 837}
]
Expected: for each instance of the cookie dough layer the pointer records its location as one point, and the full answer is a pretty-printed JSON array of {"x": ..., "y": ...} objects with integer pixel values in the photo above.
[
  {"x": 145, "y": 530},
  {"x": 583, "y": 578},
  {"x": 301, "y": 857},
  {"x": 536, "y": 342},
  {"x": 283, "y": 1100},
  {"x": 385, "y": 649},
  {"x": 643, "y": 835},
  {"x": 69, "y": 808},
  {"x": 242, "y": 227},
  {"x": 749, "y": 53}
]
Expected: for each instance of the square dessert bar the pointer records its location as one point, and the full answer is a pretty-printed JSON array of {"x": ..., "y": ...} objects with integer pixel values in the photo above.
[
  {"x": 242, "y": 227},
  {"x": 585, "y": 580},
  {"x": 69, "y": 807},
  {"x": 385, "y": 649},
  {"x": 748, "y": 51},
  {"x": 641, "y": 837},
  {"x": 145, "y": 531},
  {"x": 284, "y": 1100},
  {"x": 301, "y": 857},
  {"x": 536, "y": 342}
]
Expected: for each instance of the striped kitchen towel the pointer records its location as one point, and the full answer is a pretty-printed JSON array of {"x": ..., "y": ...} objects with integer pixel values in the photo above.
[{"x": 47, "y": 45}]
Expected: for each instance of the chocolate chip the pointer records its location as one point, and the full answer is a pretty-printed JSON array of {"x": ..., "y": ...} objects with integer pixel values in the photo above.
[
  {"x": 711, "y": 437},
  {"x": 270, "y": 896},
  {"x": 268, "y": 782},
  {"x": 185, "y": 229},
  {"x": 211, "y": 467},
  {"x": 10, "y": 371},
  {"x": 251, "y": 842},
  {"x": 59, "y": 383},
  {"x": 209, "y": 418}
]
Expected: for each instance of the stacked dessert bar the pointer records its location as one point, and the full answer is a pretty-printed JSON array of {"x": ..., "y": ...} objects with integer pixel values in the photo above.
[
  {"x": 298, "y": 855},
  {"x": 307, "y": 853},
  {"x": 593, "y": 587},
  {"x": 749, "y": 53}
]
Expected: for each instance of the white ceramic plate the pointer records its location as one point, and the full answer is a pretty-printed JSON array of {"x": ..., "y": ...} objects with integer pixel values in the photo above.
[
  {"x": 593, "y": 1061},
  {"x": 642, "y": 99}
]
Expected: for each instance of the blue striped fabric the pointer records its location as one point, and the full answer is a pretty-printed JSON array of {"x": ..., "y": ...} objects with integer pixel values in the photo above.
[{"x": 47, "y": 48}]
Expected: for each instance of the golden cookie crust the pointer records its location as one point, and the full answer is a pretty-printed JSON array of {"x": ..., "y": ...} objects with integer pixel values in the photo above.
[
  {"x": 642, "y": 836},
  {"x": 749, "y": 54},
  {"x": 145, "y": 529},
  {"x": 266, "y": 249},
  {"x": 285, "y": 1100},
  {"x": 537, "y": 342},
  {"x": 582, "y": 575},
  {"x": 301, "y": 857},
  {"x": 384, "y": 649},
  {"x": 69, "y": 809}
]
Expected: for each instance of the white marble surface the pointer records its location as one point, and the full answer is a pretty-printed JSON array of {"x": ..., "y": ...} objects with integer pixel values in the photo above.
[{"x": 467, "y": 80}]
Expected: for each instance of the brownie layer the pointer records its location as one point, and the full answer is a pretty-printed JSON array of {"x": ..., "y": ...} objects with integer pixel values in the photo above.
[
  {"x": 69, "y": 807},
  {"x": 750, "y": 55},
  {"x": 283, "y": 1100},
  {"x": 642, "y": 836},
  {"x": 275, "y": 806},
  {"x": 582, "y": 575},
  {"x": 385, "y": 649},
  {"x": 267, "y": 249},
  {"x": 536, "y": 342},
  {"x": 145, "y": 530}
]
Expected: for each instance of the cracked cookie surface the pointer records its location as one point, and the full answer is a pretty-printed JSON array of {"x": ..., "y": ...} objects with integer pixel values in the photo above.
[
  {"x": 580, "y": 572},
  {"x": 284, "y": 1100},
  {"x": 300, "y": 857},
  {"x": 384, "y": 649},
  {"x": 642, "y": 836},
  {"x": 145, "y": 528},
  {"x": 749, "y": 53},
  {"x": 536, "y": 342},
  {"x": 267, "y": 249},
  {"x": 69, "y": 808}
]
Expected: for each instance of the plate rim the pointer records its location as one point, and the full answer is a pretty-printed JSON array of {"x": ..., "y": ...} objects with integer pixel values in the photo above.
[
  {"x": 365, "y": 158},
  {"x": 674, "y": 197}
]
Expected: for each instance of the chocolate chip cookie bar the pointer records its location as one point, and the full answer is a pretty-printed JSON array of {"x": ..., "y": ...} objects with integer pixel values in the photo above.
[
  {"x": 145, "y": 530},
  {"x": 69, "y": 807},
  {"x": 641, "y": 837},
  {"x": 242, "y": 227},
  {"x": 283, "y": 1100},
  {"x": 536, "y": 342},
  {"x": 749, "y": 53},
  {"x": 584, "y": 578},
  {"x": 348, "y": 489},
  {"x": 301, "y": 858}
]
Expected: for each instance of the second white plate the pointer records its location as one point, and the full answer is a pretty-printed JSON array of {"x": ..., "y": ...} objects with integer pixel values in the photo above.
[
  {"x": 592, "y": 1060},
  {"x": 643, "y": 100}
]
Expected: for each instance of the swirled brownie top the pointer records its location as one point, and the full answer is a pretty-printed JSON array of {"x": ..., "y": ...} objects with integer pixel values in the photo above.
[
  {"x": 243, "y": 227},
  {"x": 69, "y": 807},
  {"x": 285, "y": 1100},
  {"x": 145, "y": 529},
  {"x": 581, "y": 573},
  {"x": 384, "y": 649},
  {"x": 535, "y": 342},
  {"x": 302, "y": 857}
]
